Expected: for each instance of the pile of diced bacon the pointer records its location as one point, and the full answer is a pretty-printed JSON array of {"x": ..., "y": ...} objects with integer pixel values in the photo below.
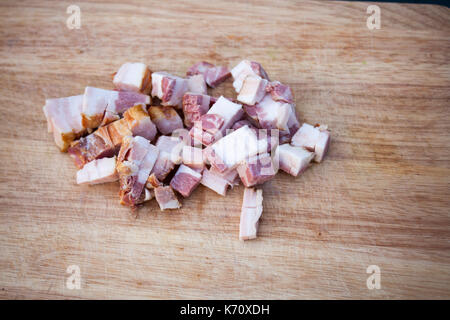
[{"x": 161, "y": 135}]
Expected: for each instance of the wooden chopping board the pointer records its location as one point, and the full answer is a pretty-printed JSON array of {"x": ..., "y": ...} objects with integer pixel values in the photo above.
[{"x": 381, "y": 197}]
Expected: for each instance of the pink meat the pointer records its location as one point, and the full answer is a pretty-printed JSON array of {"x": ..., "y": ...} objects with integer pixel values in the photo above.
[
  {"x": 193, "y": 157},
  {"x": 170, "y": 89},
  {"x": 197, "y": 84},
  {"x": 256, "y": 170},
  {"x": 293, "y": 160},
  {"x": 166, "y": 198},
  {"x": 251, "y": 212},
  {"x": 316, "y": 139},
  {"x": 214, "y": 182},
  {"x": 185, "y": 180},
  {"x": 194, "y": 106},
  {"x": 217, "y": 75},
  {"x": 280, "y": 92},
  {"x": 199, "y": 68}
]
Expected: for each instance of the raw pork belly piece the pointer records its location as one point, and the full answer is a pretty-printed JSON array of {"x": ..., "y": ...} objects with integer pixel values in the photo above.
[
  {"x": 214, "y": 75},
  {"x": 169, "y": 155},
  {"x": 256, "y": 170},
  {"x": 231, "y": 176},
  {"x": 139, "y": 122},
  {"x": 280, "y": 92},
  {"x": 293, "y": 160},
  {"x": 251, "y": 212},
  {"x": 102, "y": 106},
  {"x": 170, "y": 89},
  {"x": 315, "y": 139},
  {"x": 64, "y": 119},
  {"x": 98, "y": 171},
  {"x": 166, "y": 118},
  {"x": 293, "y": 125},
  {"x": 185, "y": 180},
  {"x": 194, "y": 106},
  {"x": 244, "y": 69},
  {"x": 193, "y": 157},
  {"x": 197, "y": 84},
  {"x": 234, "y": 148},
  {"x": 273, "y": 114},
  {"x": 222, "y": 115},
  {"x": 97, "y": 145},
  {"x": 199, "y": 68},
  {"x": 215, "y": 182},
  {"x": 166, "y": 198},
  {"x": 105, "y": 141},
  {"x": 135, "y": 77},
  {"x": 253, "y": 90},
  {"x": 153, "y": 182},
  {"x": 136, "y": 159},
  {"x": 217, "y": 75}
]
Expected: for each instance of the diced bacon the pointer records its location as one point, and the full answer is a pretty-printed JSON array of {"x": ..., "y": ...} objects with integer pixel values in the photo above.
[
  {"x": 98, "y": 171},
  {"x": 135, "y": 161},
  {"x": 253, "y": 90},
  {"x": 185, "y": 180},
  {"x": 232, "y": 149},
  {"x": 214, "y": 75},
  {"x": 166, "y": 198},
  {"x": 225, "y": 112},
  {"x": 214, "y": 182},
  {"x": 192, "y": 157},
  {"x": 231, "y": 176},
  {"x": 241, "y": 123},
  {"x": 64, "y": 119},
  {"x": 272, "y": 114},
  {"x": 293, "y": 160},
  {"x": 166, "y": 118},
  {"x": 170, "y": 89},
  {"x": 217, "y": 75},
  {"x": 293, "y": 125},
  {"x": 135, "y": 77},
  {"x": 194, "y": 106},
  {"x": 280, "y": 92},
  {"x": 197, "y": 84},
  {"x": 199, "y": 68},
  {"x": 316, "y": 139},
  {"x": 97, "y": 145},
  {"x": 169, "y": 155},
  {"x": 251, "y": 212},
  {"x": 244, "y": 69},
  {"x": 105, "y": 141},
  {"x": 139, "y": 122},
  {"x": 103, "y": 106},
  {"x": 117, "y": 130},
  {"x": 153, "y": 182},
  {"x": 256, "y": 170}
]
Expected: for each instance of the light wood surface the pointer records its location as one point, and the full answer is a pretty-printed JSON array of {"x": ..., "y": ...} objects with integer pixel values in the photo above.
[{"x": 381, "y": 197}]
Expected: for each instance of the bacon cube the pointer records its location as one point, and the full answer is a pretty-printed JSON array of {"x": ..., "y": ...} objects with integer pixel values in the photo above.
[
  {"x": 244, "y": 69},
  {"x": 194, "y": 106},
  {"x": 280, "y": 92},
  {"x": 98, "y": 171},
  {"x": 293, "y": 160},
  {"x": 135, "y": 77},
  {"x": 136, "y": 159},
  {"x": 169, "y": 155},
  {"x": 101, "y": 106},
  {"x": 199, "y": 68},
  {"x": 215, "y": 182},
  {"x": 185, "y": 180},
  {"x": 251, "y": 212},
  {"x": 166, "y": 198},
  {"x": 170, "y": 89},
  {"x": 139, "y": 122},
  {"x": 197, "y": 84},
  {"x": 217, "y": 75},
  {"x": 253, "y": 90},
  {"x": 166, "y": 118},
  {"x": 64, "y": 119},
  {"x": 193, "y": 157},
  {"x": 234, "y": 148},
  {"x": 316, "y": 139},
  {"x": 256, "y": 170}
]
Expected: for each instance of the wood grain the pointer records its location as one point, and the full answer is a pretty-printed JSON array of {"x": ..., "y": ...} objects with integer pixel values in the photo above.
[{"x": 381, "y": 197}]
